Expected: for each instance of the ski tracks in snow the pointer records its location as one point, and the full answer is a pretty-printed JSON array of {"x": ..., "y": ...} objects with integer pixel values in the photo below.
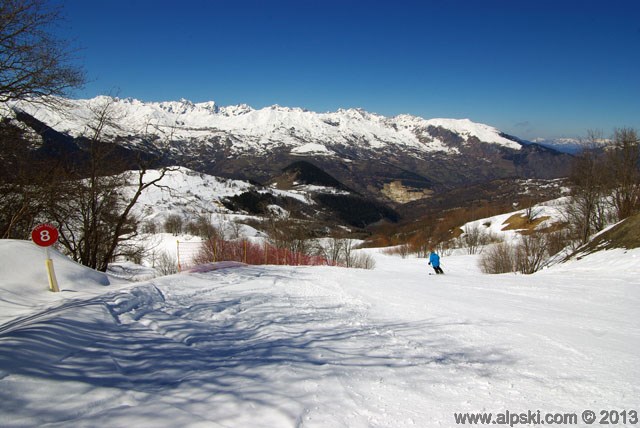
[
  {"x": 282, "y": 347},
  {"x": 267, "y": 346},
  {"x": 304, "y": 351}
]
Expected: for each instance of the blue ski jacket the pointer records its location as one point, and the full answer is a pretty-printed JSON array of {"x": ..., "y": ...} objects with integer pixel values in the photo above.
[{"x": 434, "y": 260}]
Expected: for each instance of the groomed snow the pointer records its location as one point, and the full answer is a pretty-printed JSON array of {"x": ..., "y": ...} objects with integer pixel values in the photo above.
[{"x": 274, "y": 346}]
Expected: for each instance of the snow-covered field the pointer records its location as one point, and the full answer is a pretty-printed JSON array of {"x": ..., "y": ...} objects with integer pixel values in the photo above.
[
  {"x": 190, "y": 194},
  {"x": 274, "y": 346}
]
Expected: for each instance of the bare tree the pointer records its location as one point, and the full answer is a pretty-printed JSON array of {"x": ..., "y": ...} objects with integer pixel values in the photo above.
[
  {"x": 173, "y": 224},
  {"x": 19, "y": 193},
  {"x": 290, "y": 234},
  {"x": 234, "y": 228},
  {"x": 525, "y": 256},
  {"x": 95, "y": 211},
  {"x": 33, "y": 63},
  {"x": 499, "y": 258},
  {"x": 331, "y": 248},
  {"x": 25, "y": 182},
  {"x": 363, "y": 261},
  {"x": 353, "y": 259},
  {"x": 473, "y": 238},
  {"x": 586, "y": 212},
  {"x": 166, "y": 264},
  {"x": 531, "y": 212},
  {"x": 531, "y": 252},
  {"x": 623, "y": 162}
]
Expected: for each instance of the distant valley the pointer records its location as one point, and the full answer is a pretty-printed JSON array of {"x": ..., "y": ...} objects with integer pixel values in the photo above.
[{"x": 401, "y": 166}]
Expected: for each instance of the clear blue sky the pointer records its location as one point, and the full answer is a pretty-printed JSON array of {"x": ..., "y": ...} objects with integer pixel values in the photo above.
[{"x": 533, "y": 68}]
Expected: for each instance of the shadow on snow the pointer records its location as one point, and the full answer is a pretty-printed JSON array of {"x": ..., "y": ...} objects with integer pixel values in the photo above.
[{"x": 227, "y": 344}]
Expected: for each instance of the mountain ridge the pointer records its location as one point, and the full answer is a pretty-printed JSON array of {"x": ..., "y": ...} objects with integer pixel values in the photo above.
[
  {"x": 185, "y": 119},
  {"x": 390, "y": 160}
]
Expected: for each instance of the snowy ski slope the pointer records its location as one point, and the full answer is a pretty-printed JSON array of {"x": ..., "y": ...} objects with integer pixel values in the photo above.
[{"x": 275, "y": 346}]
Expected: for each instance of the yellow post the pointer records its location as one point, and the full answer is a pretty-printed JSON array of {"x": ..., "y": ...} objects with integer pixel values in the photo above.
[
  {"x": 178, "y": 254},
  {"x": 245, "y": 250},
  {"x": 51, "y": 274}
]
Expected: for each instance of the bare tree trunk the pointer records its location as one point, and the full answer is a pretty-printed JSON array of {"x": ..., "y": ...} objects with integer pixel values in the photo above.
[
  {"x": 34, "y": 64},
  {"x": 95, "y": 212},
  {"x": 588, "y": 193},
  {"x": 624, "y": 163}
]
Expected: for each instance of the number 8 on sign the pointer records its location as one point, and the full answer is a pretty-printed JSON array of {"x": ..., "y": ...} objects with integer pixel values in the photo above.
[{"x": 44, "y": 235}]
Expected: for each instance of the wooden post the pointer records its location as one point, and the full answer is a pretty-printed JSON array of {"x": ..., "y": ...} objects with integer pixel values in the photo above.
[
  {"x": 51, "y": 274},
  {"x": 45, "y": 235},
  {"x": 178, "y": 255},
  {"x": 244, "y": 243}
]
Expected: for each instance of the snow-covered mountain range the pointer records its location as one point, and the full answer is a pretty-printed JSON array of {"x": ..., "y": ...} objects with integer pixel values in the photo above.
[
  {"x": 390, "y": 159},
  {"x": 254, "y": 130}
]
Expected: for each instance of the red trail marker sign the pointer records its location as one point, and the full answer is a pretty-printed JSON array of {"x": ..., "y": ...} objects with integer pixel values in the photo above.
[{"x": 45, "y": 235}]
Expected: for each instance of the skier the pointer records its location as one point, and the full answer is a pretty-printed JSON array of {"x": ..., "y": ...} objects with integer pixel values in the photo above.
[{"x": 434, "y": 261}]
